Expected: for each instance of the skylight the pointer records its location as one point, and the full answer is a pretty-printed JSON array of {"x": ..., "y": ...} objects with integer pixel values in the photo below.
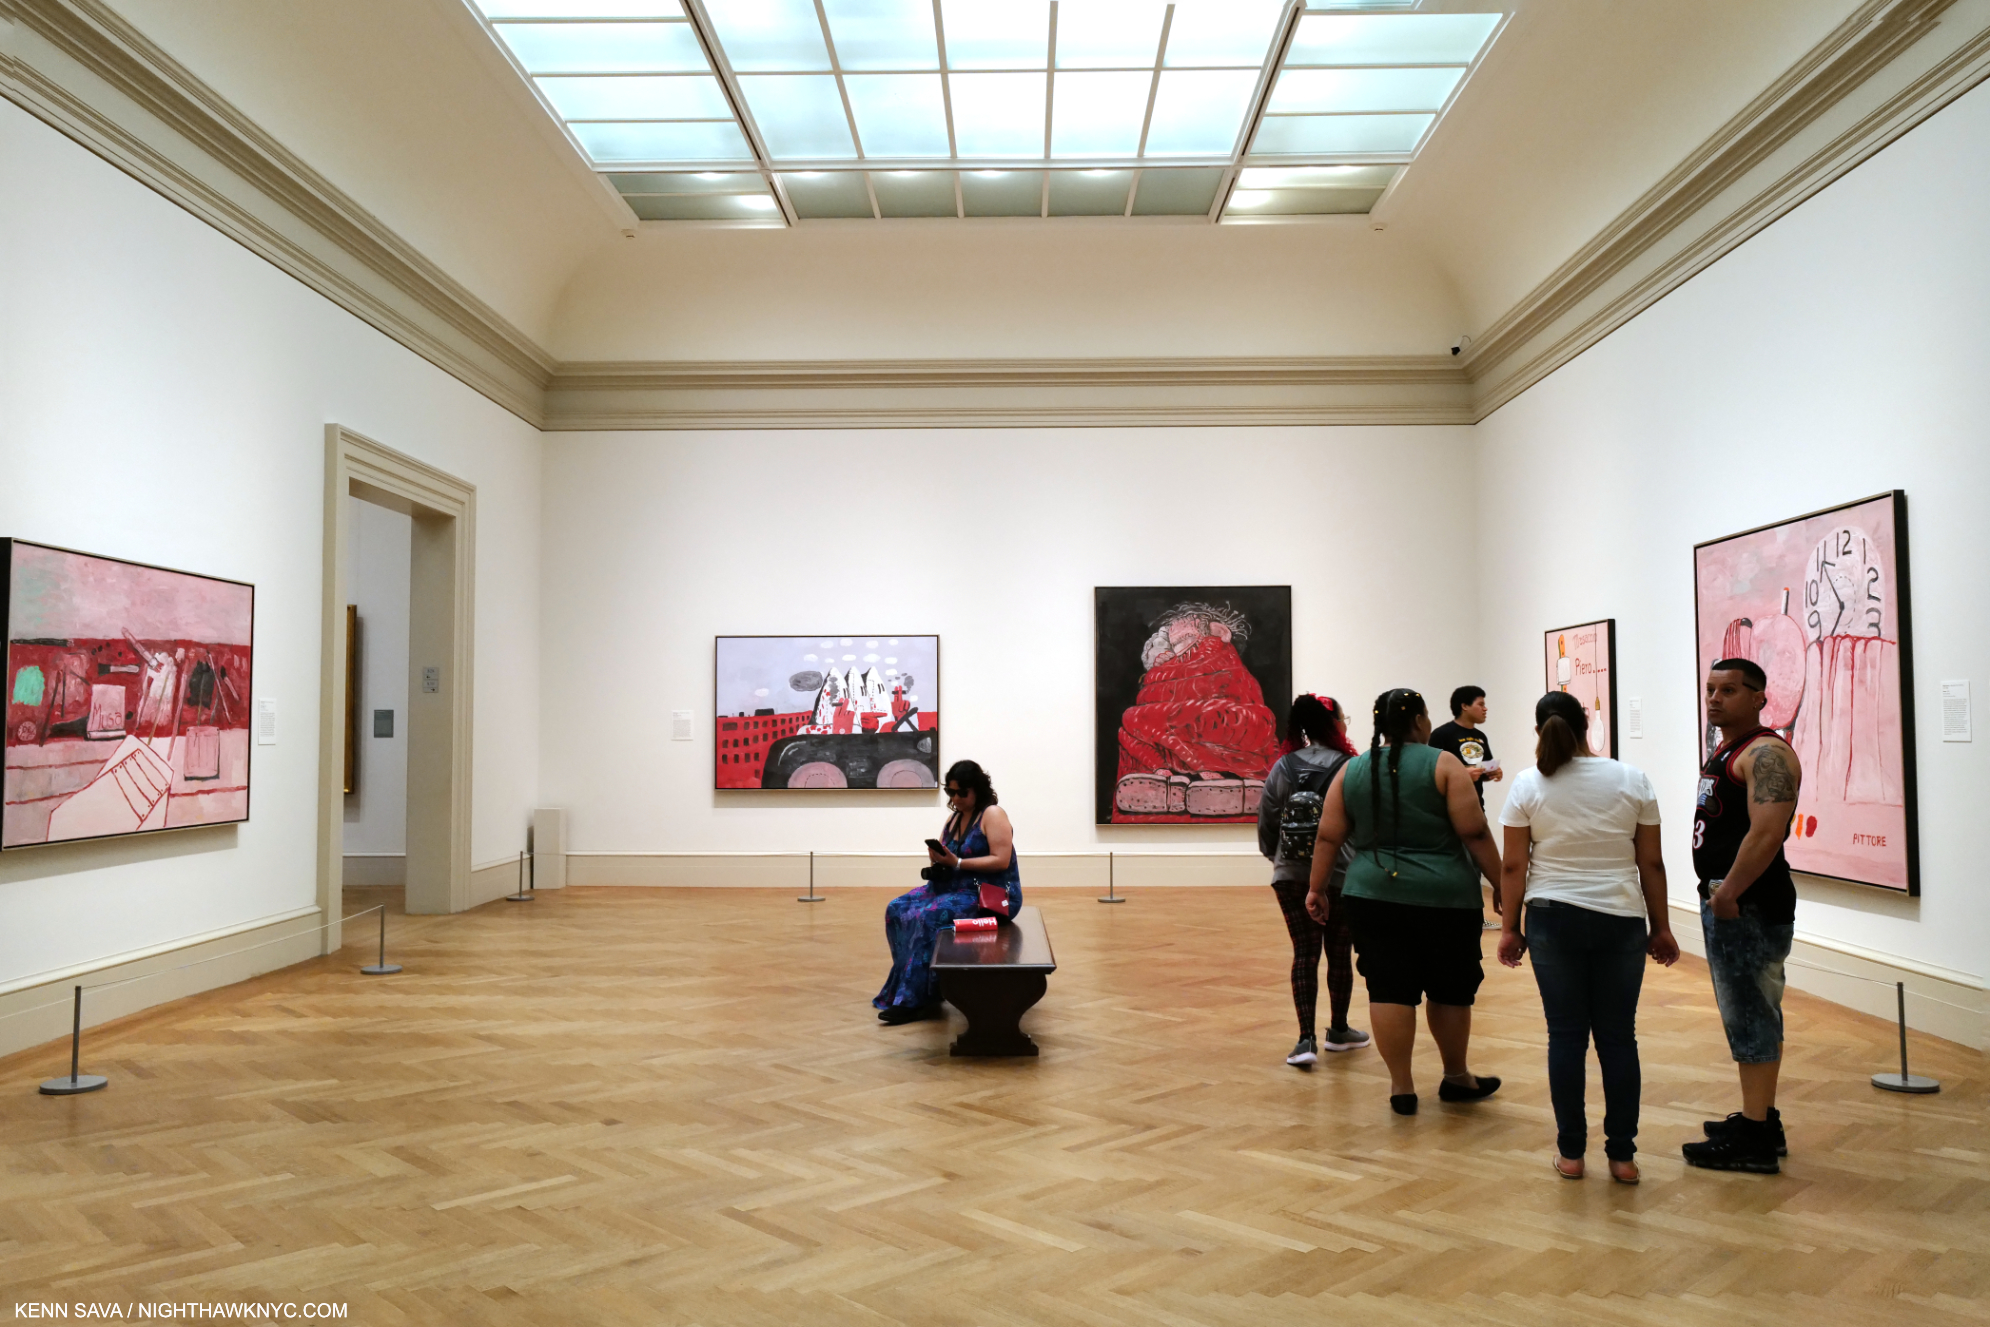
[{"x": 771, "y": 112}]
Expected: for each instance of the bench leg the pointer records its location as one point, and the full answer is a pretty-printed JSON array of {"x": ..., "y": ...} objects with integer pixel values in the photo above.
[{"x": 994, "y": 1002}]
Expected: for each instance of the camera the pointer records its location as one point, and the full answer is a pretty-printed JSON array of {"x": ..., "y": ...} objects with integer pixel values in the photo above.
[{"x": 935, "y": 873}]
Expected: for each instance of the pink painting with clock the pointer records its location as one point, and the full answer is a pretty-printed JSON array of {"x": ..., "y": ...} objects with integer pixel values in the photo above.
[{"x": 1820, "y": 602}]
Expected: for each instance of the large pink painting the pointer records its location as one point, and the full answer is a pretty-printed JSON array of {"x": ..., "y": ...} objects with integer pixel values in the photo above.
[
  {"x": 1820, "y": 601},
  {"x": 127, "y": 697}
]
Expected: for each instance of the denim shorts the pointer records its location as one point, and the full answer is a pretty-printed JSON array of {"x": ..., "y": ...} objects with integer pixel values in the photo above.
[{"x": 1746, "y": 957}]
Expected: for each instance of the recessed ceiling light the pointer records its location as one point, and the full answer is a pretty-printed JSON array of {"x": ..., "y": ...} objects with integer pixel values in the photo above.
[
  {"x": 710, "y": 175},
  {"x": 757, "y": 203},
  {"x": 992, "y": 174},
  {"x": 904, "y": 174},
  {"x": 1250, "y": 198},
  {"x": 1101, "y": 172},
  {"x": 810, "y": 174}
]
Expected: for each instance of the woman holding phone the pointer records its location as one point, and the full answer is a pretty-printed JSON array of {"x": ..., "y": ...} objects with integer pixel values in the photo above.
[{"x": 973, "y": 859}]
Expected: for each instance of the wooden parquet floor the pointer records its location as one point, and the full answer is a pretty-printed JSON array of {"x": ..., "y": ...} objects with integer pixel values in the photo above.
[{"x": 675, "y": 1107}]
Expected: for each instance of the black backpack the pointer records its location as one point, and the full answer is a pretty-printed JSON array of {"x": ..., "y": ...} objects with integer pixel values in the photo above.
[{"x": 1299, "y": 820}]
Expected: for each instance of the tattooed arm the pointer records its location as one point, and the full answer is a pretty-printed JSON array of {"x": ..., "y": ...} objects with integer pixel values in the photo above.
[{"x": 1771, "y": 771}]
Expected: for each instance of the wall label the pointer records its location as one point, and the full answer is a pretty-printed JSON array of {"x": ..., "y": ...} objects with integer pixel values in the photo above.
[{"x": 1955, "y": 711}]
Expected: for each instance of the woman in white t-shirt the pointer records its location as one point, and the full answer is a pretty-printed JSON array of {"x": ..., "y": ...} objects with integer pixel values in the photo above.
[{"x": 1582, "y": 850}]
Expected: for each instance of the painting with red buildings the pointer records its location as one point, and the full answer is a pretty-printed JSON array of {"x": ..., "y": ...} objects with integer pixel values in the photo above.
[
  {"x": 1820, "y": 602},
  {"x": 831, "y": 711},
  {"x": 128, "y": 693},
  {"x": 1187, "y": 679}
]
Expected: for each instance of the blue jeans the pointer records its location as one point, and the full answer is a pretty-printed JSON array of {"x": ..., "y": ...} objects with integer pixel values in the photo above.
[
  {"x": 1745, "y": 956},
  {"x": 1590, "y": 967}
]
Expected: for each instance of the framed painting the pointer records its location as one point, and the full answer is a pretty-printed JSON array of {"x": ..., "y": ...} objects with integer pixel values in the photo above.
[
  {"x": 1190, "y": 682},
  {"x": 1582, "y": 660},
  {"x": 1820, "y": 601},
  {"x": 829, "y": 711},
  {"x": 128, "y": 697}
]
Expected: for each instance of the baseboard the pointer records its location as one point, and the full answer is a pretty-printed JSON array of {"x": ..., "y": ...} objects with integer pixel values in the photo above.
[
  {"x": 493, "y": 881},
  {"x": 1940, "y": 1002},
  {"x": 237, "y": 953},
  {"x": 900, "y": 870},
  {"x": 373, "y": 868}
]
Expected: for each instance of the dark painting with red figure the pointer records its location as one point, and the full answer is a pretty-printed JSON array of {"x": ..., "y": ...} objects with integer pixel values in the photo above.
[
  {"x": 127, "y": 697},
  {"x": 1820, "y": 601},
  {"x": 1187, "y": 680},
  {"x": 831, "y": 711}
]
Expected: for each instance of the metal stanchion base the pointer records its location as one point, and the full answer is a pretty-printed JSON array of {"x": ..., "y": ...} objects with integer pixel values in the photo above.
[
  {"x": 1112, "y": 900},
  {"x": 1914, "y": 1083},
  {"x": 381, "y": 969},
  {"x": 811, "y": 898},
  {"x": 70, "y": 1087},
  {"x": 521, "y": 897}
]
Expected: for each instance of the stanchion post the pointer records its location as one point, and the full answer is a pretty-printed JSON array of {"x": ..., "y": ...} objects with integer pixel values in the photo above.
[
  {"x": 383, "y": 967},
  {"x": 76, "y": 1083},
  {"x": 811, "y": 896},
  {"x": 1904, "y": 1081},
  {"x": 523, "y": 895},
  {"x": 1110, "y": 897}
]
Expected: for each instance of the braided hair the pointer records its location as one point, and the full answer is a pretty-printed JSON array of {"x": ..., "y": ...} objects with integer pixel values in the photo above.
[{"x": 1396, "y": 713}]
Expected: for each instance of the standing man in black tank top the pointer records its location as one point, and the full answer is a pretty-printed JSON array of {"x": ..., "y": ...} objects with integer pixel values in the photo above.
[{"x": 1748, "y": 907}]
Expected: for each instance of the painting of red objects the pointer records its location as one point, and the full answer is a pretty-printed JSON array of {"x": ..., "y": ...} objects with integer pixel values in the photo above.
[
  {"x": 1187, "y": 677},
  {"x": 1821, "y": 603},
  {"x": 128, "y": 696},
  {"x": 832, "y": 711}
]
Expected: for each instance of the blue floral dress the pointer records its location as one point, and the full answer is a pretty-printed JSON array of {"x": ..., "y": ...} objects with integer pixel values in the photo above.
[{"x": 912, "y": 922}]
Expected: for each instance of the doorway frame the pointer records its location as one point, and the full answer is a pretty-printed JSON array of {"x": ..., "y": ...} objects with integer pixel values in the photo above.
[{"x": 442, "y": 628}]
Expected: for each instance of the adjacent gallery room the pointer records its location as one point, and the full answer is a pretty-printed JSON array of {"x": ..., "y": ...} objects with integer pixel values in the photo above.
[{"x": 994, "y": 661}]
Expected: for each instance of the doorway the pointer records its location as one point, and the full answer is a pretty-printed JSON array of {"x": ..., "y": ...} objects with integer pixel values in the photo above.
[{"x": 441, "y": 539}]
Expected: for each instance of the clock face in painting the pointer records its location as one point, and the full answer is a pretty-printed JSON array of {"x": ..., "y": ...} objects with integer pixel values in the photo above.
[{"x": 1844, "y": 586}]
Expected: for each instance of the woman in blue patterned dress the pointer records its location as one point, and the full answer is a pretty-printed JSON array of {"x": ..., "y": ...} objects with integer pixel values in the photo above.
[{"x": 980, "y": 849}]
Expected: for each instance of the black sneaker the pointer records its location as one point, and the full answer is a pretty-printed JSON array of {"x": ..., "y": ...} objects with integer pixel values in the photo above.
[
  {"x": 1346, "y": 1039},
  {"x": 1722, "y": 1128},
  {"x": 1752, "y": 1148},
  {"x": 1304, "y": 1055}
]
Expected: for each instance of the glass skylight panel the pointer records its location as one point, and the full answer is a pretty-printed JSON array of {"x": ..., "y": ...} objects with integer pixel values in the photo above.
[
  {"x": 915, "y": 193},
  {"x": 1389, "y": 39},
  {"x": 1109, "y": 34},
  {"x": 824, "y": 194},
  {"x": 899, "y": 115},
  {"x": 883, "y": 34},
  {"x": 769, "y": 34},
  {"x": 1339, "y": 135},
  {"x": 679, "y": 97},
  {"x": 630, "y": 183},
  {"x": 1177, "y": 193},
  {"x": 1089, "y": 193},
  {"x": 998, "y": 115},
  {"x": 997, "y": 34},
  {"x": 1002, "y": 193},
  {"x": 1098, "y": 114},
  {"x": 682, "y": 140},
  {"x": 604, "y": 48},
  {"x": 1363, "y": 89},
  {"x": 1316, "y": 177},
  {"x": 572, "y": 9},
  {"x": 1198, "y": 112},
  {"x": 800, "y": 116},
  {"x": 1223, "y": 32}
]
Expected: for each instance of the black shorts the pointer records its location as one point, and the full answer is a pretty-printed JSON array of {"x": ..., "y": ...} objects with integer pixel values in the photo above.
[{"x": 1405, "y": 952}]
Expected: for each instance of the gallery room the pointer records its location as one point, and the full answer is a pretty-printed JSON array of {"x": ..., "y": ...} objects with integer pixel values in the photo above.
[{"x": 994, "y": 661}]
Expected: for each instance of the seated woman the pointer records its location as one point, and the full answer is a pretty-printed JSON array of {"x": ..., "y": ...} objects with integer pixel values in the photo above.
[{"x": 980, "y": 849}]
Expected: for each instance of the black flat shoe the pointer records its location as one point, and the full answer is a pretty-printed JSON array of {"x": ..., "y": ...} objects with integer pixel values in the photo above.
[
  {"x": 898, "y": 1014},
  {"x": 1450, "y": 1091},
  {"x": 1403, "y": 1103}
]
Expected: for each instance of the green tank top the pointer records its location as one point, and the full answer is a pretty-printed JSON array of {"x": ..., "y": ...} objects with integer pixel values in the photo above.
[{"x": 1417, "y": 857}]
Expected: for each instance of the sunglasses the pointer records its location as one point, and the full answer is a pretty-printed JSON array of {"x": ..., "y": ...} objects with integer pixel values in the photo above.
[{"x": 956, "y": 792}]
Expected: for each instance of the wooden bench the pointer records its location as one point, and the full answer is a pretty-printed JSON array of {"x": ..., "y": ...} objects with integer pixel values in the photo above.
[{"x": 994, "y": 977}]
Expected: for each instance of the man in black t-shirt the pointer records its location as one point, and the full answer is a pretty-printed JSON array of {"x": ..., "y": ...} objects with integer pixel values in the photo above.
[{"x": 1463, "y": 738}]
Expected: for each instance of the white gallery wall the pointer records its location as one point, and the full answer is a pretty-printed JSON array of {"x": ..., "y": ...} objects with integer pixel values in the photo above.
[
  {"x": 1837, "y": 355},
  {"x": 994, "y": 539},
  {"x": 163, "y": 397},
  {"x": 378, "y": 585}
]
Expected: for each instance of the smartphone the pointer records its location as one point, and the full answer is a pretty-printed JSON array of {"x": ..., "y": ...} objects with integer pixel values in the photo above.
[{"x": 936, "y": 846}]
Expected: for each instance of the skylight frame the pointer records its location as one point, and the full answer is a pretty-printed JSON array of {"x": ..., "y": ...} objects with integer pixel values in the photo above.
[{"x": 695, "y": 17}]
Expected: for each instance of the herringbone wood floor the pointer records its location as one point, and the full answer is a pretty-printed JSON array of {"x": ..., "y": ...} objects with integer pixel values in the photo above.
[{"x": 651, "y": 1106}]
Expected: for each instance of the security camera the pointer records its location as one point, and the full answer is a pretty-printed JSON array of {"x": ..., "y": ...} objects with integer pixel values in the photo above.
[{"x": 1458, "y": 346}]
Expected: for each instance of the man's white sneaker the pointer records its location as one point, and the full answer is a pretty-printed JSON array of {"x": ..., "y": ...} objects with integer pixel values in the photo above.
[
  {"x": 1346, "y": 1039},
  {"x": 1304, "y": 1054}
]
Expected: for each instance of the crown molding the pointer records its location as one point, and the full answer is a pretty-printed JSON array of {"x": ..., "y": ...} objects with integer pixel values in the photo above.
[
  {"x": 84, "y": 70},
  {"x": 1884, "y": 70},
  {"x": 1012, "y": 393}
]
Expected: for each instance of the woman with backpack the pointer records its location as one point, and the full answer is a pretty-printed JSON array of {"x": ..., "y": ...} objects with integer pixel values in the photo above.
[
  {"x": 1412, "y": 892},
  {"x": 1316, "y": 746},
  {"x": 1582, "y": 851}
]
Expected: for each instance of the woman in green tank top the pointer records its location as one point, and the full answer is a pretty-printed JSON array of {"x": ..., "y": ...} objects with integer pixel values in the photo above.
[{"x": 1420, "y": 844}]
